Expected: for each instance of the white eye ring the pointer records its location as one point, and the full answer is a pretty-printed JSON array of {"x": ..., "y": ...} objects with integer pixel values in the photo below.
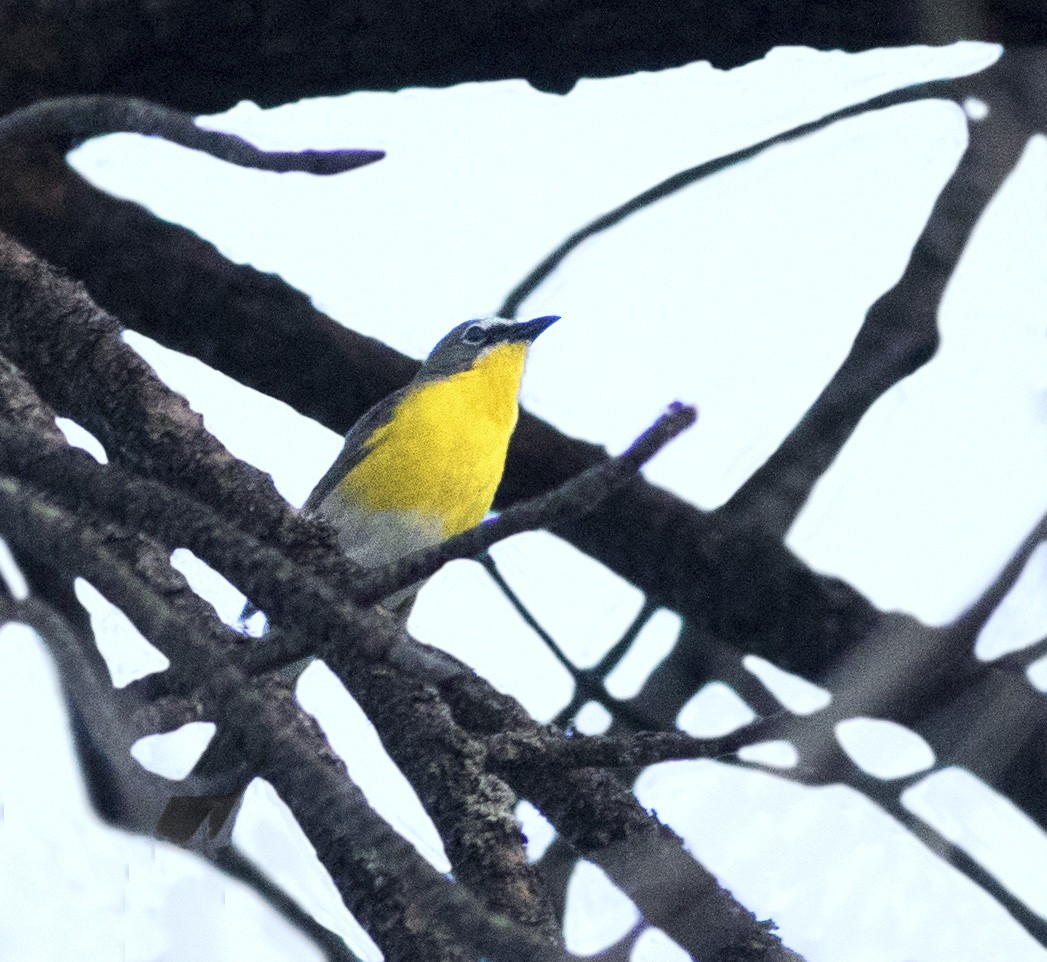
[{"x": 474, "y": 334}]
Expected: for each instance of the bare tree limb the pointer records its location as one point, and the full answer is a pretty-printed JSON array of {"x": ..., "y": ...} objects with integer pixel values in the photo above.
[
  {"x": 205, "y": 58},
  {"x": 70, "y": 120},
  {"x": 76, "y": 359},
  {"x": 900, "y": 332},
  {"x": 601, "y": 820},
  {"x": 709, "y": 168},
  {"x": 472, "y": 808},
  {"x": 571, "y": 499},
  {"x": 332, "y": 810},
  {"x": 291, "y": 753},
  {"x": 555, "y": 751}
]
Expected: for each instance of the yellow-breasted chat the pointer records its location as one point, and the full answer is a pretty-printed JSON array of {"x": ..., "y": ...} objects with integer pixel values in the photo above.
[{"x": 422, "y": 465}]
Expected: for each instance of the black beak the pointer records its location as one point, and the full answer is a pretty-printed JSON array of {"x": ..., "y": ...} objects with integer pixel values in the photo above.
[{"x": 528, "y": 330}]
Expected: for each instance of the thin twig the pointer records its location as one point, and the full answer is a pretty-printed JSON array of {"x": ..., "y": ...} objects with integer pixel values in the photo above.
[
  {"x": 571, "y": 500},
  {"x": 588, "y": 682},
  {"x": 965, "y": 629},
  {"x": 556, "y": 750},
  {"x": 692, "y": 175}
]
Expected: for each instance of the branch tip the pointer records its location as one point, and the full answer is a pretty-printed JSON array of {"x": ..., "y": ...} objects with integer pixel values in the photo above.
[
  {"x": 676, "y": 419},
  {"x": 72, "y": 120}
]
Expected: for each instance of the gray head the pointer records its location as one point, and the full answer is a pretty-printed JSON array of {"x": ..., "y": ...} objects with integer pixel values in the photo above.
[{"x": 467, "y": 343}]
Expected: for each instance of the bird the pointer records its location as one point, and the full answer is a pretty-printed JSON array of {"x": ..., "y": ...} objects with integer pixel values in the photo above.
[
  {"x": 425, "y": 462},
  {"x": 421, "y": 465}
]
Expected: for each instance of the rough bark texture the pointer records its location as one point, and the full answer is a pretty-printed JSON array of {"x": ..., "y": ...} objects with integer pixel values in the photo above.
[
  {"x": 599, "y": 818},
  {"x": 727, "y": 572},
  {"x": 472, "y": 808}
]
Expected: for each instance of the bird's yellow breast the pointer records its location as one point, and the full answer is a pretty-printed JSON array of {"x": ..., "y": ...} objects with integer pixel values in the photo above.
[{"x": 442, "y": 452}]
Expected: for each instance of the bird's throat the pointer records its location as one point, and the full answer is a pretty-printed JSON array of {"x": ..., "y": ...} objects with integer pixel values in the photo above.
[{"x": 442, "y": 453}]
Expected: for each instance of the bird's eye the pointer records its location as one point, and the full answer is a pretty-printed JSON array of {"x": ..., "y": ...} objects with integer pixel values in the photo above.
[{"x": 474, "y": 334}]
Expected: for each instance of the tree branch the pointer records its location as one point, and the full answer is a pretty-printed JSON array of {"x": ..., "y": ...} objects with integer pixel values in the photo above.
[
  {"x": 291, "y": 753},
  {"x": 601, "y": 820},
  {"x": 68, "y": 121},
  {"x": 206, "y": 58},
  {"x": 900, "y": 332},
  {"x": 570, "y": 500},
  {"x": 555, "y": 751},
  {"x": 709, "y": 168},
  {"x": 472, "y": 808}
]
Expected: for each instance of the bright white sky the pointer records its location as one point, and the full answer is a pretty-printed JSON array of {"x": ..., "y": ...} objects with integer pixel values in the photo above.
[{"x": 741, "y": 294}]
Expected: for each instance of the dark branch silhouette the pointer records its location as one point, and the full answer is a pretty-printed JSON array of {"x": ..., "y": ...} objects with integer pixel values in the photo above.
[
  {"x": 208, "y": 58},
  {"x": 469, "y": 751},
  {"x": 900, "y": 332},
  {"x": 70, "y": 120},
  {"x": 685, "y": 178}
]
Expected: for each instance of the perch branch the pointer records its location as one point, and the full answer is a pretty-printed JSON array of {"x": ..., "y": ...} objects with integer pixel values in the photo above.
[
  {"x": 288, "y": 748},
  {"x": 570, "y": 500}
]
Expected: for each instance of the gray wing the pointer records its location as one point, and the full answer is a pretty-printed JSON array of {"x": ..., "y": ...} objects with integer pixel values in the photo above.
[{"x": 354, "y": 450}]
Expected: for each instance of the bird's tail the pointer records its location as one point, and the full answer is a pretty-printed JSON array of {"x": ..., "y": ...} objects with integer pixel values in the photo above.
[{"x": 202, "y": 817}]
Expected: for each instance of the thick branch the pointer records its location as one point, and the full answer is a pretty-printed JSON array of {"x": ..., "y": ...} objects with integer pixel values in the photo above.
[
  {"x": 600, "y": 818},
  {"x": 206, "y": 57},
  {"x": 292, "y": 754},
  {"x": 307, "y": 606},
  {"x": 21, "y": 404},
  {"x": 472, "y": 808},
  {"x": 557, "y": 752},
  {"x": 74, "y": 355},
  {"x": 349, "y": 839}
]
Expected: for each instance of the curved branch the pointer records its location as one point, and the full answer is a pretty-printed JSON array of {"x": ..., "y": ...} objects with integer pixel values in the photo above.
[
  {"x": 71, "y": 120},
  {"x": 685, "y": 178}
]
